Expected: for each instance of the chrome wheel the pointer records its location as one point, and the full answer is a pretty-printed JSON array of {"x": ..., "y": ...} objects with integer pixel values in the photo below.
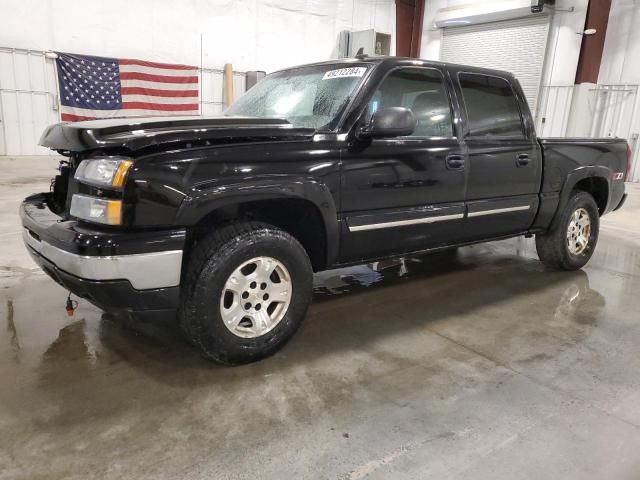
[
  {"x": 579, "y": 231},
  {"x": 256, "y": 297}
]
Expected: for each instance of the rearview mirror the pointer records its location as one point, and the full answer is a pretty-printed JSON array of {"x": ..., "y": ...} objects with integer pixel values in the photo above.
[{"x": 390, "y": 122}]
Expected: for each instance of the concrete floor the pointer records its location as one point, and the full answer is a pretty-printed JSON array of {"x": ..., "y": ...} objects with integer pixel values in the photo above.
[{"x": 480, "y": 365}]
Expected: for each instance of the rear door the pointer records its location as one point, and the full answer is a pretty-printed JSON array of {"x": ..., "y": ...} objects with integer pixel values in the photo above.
[
  {"x": 504, "y": 159},
  {"x": 405, "y": 193}
]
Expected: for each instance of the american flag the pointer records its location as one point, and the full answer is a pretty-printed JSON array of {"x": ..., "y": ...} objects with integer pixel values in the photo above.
[{"x": 101, "y": 87}]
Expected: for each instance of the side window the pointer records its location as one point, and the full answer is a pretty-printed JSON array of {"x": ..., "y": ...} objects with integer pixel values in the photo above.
[
  {"x": 491, "y": 107},
  {"x": 423, "y": 91}
]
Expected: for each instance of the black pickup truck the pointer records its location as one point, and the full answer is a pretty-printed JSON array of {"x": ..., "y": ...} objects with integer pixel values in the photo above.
[{"x": 221, "y": 222}]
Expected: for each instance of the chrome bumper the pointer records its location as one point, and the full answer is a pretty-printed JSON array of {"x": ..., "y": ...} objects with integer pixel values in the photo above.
[{"x": 144, "y": 270}]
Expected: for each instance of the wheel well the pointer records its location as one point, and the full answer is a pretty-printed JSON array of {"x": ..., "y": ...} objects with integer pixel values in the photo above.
[
  {"x": 300, "y": 218},
  {"x": 598, "y": 188}
]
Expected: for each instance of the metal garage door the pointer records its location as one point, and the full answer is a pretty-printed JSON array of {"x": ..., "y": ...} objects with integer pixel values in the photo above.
[{"x": 515, "y": 45}]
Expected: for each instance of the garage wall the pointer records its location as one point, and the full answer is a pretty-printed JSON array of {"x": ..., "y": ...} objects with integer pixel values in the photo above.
[
  {"x": 250, "y": 34},
  {"x": 619, "y": 62},
  {"x": 620, "y": 69}
]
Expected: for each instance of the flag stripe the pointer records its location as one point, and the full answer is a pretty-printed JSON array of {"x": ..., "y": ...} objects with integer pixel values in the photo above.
[
  {"x": 144, "y": 63},
  {"x": 158, "y": 106},
  {"x": 156, "y": 92},
  {"x": 132, "y": 112},
  {"x": 160, "y": 100},
  {"x": 157, "y": 85},
  {"x": 157, "y": 71},
  {"x": 68, "y": 117},
  {"x": 157, "y": 78}
]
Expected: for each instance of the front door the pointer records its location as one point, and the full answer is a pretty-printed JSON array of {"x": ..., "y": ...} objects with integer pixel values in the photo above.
[{"x": 405, "y": 193}]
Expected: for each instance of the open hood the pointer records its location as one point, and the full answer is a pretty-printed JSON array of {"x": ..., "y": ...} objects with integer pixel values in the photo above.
[{"x": 133, "y": 134}]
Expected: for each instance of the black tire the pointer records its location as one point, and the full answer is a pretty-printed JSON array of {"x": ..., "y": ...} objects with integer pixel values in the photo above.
[
  {"x": 212, "y": 262},
  {"x": 552, "y": 246}
]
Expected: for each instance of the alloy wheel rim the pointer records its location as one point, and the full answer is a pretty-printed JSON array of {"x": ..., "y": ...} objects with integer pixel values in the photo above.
[
  {"x": 579, "y": 231},
  {"x": 256, "y": 297}
]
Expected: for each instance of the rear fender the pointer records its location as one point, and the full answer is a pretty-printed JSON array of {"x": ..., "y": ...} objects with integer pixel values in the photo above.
[{"x": 596, "y": 171}]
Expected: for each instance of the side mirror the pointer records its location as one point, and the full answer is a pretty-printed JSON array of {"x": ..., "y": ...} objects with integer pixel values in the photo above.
[{"x": 390, "y": 122}]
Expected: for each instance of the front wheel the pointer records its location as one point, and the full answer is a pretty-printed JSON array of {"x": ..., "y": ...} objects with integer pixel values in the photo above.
[
  {"x": 570, "y": 244},
  {"x": 246, "y": 292}
]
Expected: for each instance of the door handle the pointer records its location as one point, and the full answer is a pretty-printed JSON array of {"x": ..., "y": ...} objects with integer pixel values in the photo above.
[
  {"x": 455, "y": 162},
  {"x": 522, "y": 160}
]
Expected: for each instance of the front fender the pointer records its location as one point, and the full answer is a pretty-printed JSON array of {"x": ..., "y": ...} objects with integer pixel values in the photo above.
[{"x": 207, "y": 197}]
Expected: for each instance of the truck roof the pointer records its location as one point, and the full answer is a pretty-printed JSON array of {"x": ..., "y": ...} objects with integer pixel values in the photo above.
[{"x": 391, "y": 62}]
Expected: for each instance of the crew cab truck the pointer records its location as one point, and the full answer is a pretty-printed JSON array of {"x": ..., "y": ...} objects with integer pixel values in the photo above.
[{"x": 221, "y": 222}]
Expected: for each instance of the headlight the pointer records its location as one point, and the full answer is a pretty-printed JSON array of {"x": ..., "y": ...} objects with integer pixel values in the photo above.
[
  {"x": 108, "y": 172},
  {"x": 94, "y": 209}
]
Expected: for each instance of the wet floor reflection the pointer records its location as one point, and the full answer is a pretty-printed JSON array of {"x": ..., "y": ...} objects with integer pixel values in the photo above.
[
  {"x": 452, "y": 318},
  {"x": 387, "y": 272},
  {"x": 358, "y": 304}
]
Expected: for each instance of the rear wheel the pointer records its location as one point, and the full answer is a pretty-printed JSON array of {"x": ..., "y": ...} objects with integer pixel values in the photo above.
[
  {"x": 247, "y": 289},
  {"x": 570, "y": 244}
]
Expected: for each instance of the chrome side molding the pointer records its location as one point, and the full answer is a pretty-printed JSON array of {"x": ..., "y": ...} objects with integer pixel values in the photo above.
[
  {"x": 495, "y": 211},
  {"x": 403, "y": 223},
  {"x": 437, "y": 218}
]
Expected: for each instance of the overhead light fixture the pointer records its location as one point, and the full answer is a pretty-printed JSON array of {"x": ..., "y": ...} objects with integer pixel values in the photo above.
[{"x": 590, "y": 31}]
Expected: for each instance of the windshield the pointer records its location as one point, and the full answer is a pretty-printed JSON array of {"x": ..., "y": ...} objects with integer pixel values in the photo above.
[{"x": 311, "y": 97}]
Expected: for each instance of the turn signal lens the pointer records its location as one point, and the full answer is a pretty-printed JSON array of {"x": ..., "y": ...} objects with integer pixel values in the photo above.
[
  {"x": 114, "y": 212},
  {"x": 98, "y": 210},
  {"x": 121, "y": 174}
]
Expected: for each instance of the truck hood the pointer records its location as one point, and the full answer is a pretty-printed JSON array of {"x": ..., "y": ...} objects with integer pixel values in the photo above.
[{"x": 139, "y": 133}]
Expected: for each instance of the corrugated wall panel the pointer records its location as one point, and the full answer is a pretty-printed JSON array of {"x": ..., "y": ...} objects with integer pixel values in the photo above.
[
  {"x": 10, "y": 124},
  {"x": 212, "y": 86},
  {"x": 517, "y": 46},
  {"x": 28, "y": 100},
  {"x": 554, "y": 110},
  {"x": 239, "y": 85}
]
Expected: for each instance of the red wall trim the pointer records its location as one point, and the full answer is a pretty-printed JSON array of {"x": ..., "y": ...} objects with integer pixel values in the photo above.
[
  {"x": 416, "y": 38},
  {"x": 592, "y": 45},
  {"x": 409, "y": 14}
]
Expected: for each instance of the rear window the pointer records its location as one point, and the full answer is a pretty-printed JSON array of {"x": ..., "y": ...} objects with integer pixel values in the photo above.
[{"x": 492, "y": 108}]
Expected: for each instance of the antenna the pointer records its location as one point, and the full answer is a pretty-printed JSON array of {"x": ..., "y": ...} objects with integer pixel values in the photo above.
[{"x": 360, "y": 53}]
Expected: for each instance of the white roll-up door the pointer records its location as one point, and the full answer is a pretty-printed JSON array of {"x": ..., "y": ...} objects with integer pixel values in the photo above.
[{"x": 517, "y": 46}]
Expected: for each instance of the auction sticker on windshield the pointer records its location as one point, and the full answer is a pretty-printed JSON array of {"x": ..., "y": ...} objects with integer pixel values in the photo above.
[{"x": 345, "y": 72}]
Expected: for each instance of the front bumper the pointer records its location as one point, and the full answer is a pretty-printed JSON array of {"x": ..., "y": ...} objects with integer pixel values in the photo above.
[{"x": 116, "y": 270}]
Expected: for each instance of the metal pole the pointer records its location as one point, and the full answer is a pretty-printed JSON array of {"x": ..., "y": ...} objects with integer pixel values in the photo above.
[
  {"x": 634, "y": 174},
  {"x": 15, "y": 84},
  {"x": 201, "y": 89},
  {"x": 596, "y": 121},
  {"x": 31, "y": 102},
  {"x": 4, "y": 132},
  {"x": 228, "y": 84}
]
